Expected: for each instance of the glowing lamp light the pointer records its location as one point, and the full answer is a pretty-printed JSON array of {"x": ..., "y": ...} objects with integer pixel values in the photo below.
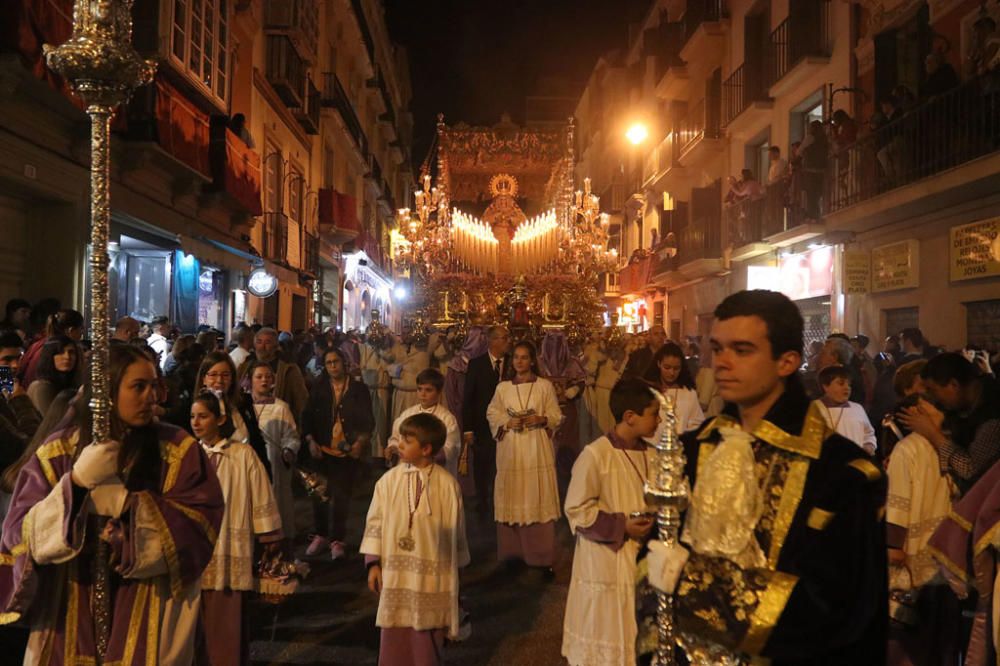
[
  {"x": 399, "y": 293},
  {"x": 637, "y": 133}
]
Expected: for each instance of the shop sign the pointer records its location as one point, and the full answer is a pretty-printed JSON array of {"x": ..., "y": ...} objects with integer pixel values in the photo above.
[
  {"x": 857, "y": 272},
  {"x": 807, "y": 275},
  {"x": 261, "y": 284},
  {"x": 975, "y": 250},
  {"x": 896, "y": 266}
]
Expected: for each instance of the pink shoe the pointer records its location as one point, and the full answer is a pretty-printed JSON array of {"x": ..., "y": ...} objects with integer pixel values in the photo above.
[
  {"x": 316, "y": 545},
  {"x": 337, "y": 550}
]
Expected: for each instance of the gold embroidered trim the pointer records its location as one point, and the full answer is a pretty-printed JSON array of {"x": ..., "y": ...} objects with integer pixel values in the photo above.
[
  {"x": 704, "y": 453},
  {"x": 174, "y": 455},
  {"x": 819, "y": 519},
  {"x": 986, "y": 541},
  {"x": 871, "y": 472},
  {"x": 772, "y": 601},
  {"x": 197, "y": 517},
  {"x": 791, "y": 496},
  {"x": 947, "y": 563},
  {"x": 166, "y": 543},
  {"x": 9, "y": 618},
  {"x": 153, "y": 630},
  {"x": 72, "y": 613},
  {"x": 961, "y": 522},
  {"x": 57, "y": 447},
  {"x": 134, "y": 623},
  {"x": 815, "y": 430}
]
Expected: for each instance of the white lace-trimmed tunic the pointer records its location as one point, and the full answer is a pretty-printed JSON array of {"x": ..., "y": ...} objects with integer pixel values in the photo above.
[
  {"x": 278, "y": 427},
  {"x": 600, "y": 628},
  {"x": 250, "y": 509},
  {"x": 419, "y": 587},
  {"x": 525, "y": 491}
]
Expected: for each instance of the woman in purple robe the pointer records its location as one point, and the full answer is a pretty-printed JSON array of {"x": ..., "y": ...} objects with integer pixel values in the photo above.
[
  {"x": 454, "y": 387},
  {"x": 104, "y": 544},
  {"x": 558, "y": 364}
]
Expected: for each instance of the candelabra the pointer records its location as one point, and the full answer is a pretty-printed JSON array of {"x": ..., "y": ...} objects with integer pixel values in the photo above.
[
  {"x": 667, "y": 489},
  {"x": 103, "y": 69},
  {"x": 425, "y": 230},
  {"x": 585, "y": 242}
]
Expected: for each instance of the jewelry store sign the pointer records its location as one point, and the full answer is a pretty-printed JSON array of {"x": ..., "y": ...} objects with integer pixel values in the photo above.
[
  {"x": 896, "y": 266},
  {"x": 857, "y": 272},
  {"x": 975, "y": 250}
]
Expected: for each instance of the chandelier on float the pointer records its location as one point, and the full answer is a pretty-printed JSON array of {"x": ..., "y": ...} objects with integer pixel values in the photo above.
[
  {"x": 584, "y": 247},
  {"x": 422, "y": 240}
]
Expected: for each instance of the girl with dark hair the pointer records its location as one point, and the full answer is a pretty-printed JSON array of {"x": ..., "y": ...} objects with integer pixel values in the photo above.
[
  {"x": 524, "y": 413},
  {"x": 139, "y": 513},
  {"x": 250, "y": 511},
  {"x": 671, "y": 376},
  {"x": 337, "y": 424},
  {"x": 217, "y": 375},
  {"x": 65, "y": 322},
  {"x": 58, "y": 370}
]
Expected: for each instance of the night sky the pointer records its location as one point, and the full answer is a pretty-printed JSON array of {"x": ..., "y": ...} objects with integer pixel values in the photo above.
[{"x": 473, "y": 60}]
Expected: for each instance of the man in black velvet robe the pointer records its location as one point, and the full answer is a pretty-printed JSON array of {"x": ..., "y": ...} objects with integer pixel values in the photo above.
[{"x": 783, "y": 549}]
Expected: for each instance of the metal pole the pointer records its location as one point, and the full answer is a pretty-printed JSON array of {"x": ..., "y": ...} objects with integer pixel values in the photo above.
[{"x": 667, "y": 489}]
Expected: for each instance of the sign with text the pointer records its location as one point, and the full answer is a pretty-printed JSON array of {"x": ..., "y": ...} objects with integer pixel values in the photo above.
[
  {"x": 857, "y": 272},
  {"x": 975, "y": 250},
  {"x": 896, "y": 266}
]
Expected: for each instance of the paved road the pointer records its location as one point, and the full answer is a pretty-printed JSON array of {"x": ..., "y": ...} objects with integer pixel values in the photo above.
[{"x": 516, "y": 615}]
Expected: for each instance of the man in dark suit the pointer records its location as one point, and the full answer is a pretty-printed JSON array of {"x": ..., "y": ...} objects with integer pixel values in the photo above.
[
  {"x": 641, "y": 359},
  {"x": 481, "y": 381}
]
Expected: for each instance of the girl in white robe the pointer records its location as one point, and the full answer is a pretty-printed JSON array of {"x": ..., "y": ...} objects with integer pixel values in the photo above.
[
  {"x": 670, "y": 375},
  {"x": 277, "y": 425},
  {"x": 609, "y": 371},
  {"x": 523, "y": 414}
]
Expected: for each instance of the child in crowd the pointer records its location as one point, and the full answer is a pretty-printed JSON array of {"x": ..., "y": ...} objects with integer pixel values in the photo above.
[
  {"x": 414, "y": 544},
  {"x": 846, "y": 417},
  {"x": 607, "y": 511},
  {"x": 250, "y": 510},
  {"x": 430, "y": 383}
]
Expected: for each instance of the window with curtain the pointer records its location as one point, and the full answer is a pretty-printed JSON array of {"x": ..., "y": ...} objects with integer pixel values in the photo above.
[{"x": 199, "y": 37}]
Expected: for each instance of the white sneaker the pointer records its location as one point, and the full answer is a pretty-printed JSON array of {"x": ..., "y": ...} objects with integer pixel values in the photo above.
[
  {"x": 337, "y": 550},
  {"x": 316, "y": 545}
]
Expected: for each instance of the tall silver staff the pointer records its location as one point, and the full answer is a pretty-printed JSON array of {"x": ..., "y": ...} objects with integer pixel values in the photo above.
[
  {"x": 103, "y": 69},
  {"x": 667, "y": 489}
]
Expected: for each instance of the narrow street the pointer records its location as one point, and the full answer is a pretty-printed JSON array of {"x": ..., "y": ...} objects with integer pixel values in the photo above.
[{"x": 516, "y": 615}]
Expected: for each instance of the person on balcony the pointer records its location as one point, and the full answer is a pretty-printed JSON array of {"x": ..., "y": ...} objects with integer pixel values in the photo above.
[
  {"x": 238, "y": 125},
  {"x": 778, "y": 168},
  {"x": 744, "y": 189},
  {"x": 941, "y": 76},
  {"x": 815, "y": 152}
]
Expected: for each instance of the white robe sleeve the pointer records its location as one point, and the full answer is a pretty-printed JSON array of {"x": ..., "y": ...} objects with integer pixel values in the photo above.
[
  {"x": 395, "y": 437},
  {"x": 289, "y": 434},
  {"x": 371, "y": 542},
  {"x": 899, "y": 474},
  {"x": 453, "y": 441},
  {"x": 52, "y": 538},
  {"x": 550, "y": 406},
  {"x": 693, "y": 416},
  {"x": 265, "y": 508},
  {"x": 496, "y": 413},
  {"x": 584, "y": 491}
]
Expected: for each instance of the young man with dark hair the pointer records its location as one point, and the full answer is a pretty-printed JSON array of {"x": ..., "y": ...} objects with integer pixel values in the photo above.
[
  {"x": 606, "y": 509},
  {"x": 429, "y": 386},
  {"x": 783, "y": 550},
  {"x": 962, "y": 418},
  {"x": 18, "y": 417}
]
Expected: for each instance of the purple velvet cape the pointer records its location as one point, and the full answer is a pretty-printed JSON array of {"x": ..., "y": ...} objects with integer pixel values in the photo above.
[{"x": 188, "y": 511}]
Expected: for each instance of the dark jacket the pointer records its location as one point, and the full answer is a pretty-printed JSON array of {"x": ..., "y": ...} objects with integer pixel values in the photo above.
[
  {"x": 355, "y": 411},
  {"x": 822, "y": 598},
  {"x": 18, "y": 422},
  {"x": 480, "y": 384}
]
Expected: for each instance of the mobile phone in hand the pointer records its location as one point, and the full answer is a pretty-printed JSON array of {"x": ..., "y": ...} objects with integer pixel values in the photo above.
[{"x": 6, "y": 379}]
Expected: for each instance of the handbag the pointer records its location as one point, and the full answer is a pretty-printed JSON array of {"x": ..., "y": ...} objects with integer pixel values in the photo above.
[{"x": 902, "y": 596}]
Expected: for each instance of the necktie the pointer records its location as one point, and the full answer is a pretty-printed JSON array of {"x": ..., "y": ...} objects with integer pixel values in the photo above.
[{"x": 496, "y": 367}]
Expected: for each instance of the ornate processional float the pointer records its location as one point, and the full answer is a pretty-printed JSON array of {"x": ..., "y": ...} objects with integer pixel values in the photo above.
[{"x": 501, "y": 237}]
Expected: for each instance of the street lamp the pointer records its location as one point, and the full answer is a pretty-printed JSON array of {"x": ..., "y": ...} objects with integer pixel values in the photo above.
[{"x": 637, "y": 133}]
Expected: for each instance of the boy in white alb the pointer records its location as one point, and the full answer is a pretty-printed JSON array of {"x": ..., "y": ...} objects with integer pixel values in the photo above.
[
  {"x": 607, "y": 512},
  {"x": 430, "y": 384},
  {"x": 847, "y": 418},
  {"x": 414, "y": 543}
]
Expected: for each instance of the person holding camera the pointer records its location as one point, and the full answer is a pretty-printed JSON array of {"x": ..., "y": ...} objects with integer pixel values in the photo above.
[
  {"x": 18, "y": 417},
  {"x": 337, "y": 425}
]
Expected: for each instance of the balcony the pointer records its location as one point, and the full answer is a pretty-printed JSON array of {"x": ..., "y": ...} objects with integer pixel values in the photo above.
[
  {"x": 310, "y": 254},
  {"x": 663, "y": 172},
  {"x": 357, "y": 6},
  {"x": 699, "y": 136},
  {"x": 634, "y": 277},
  {"x": 335, "y": 97},
  {"x": 286, "y": 72},
  {"x": 296, "y": 19},
  {"x": 235, "y": 169},
  {"x": 699, "y": 248},
  {"x": 800, "y": 46},
  {"x": 746, "y": 108},
  {"x": 940, "y": 154},
  {"x": 165, "y": 123},
  {"x": 274, "y": 237},
  {"x": 752, "y": 220},
  {"x": 674, "y": 84},
  {"x": 705, "y": 24},
  {"x": 338, "y": 216},
  {"x": 308, "y": 113}
]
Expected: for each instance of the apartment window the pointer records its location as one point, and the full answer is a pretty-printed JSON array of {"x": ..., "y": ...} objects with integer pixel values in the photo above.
[
  {"x": 272, "y": 178},
  {"x": 200, "y": 44},
  {"x": 806, "y": 113},
  {"x": 295, "y": 183},
  {"x": 896, "y": 319},
  {"x": 983, "y": 324},
  {"x": 757, "y": 159}
]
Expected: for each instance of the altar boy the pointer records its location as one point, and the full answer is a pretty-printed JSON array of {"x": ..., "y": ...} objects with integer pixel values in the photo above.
[
  {"x": 430, "y": 384},
  {"x": 414, "y": 544},
  {"x": 608, "y": 514}
]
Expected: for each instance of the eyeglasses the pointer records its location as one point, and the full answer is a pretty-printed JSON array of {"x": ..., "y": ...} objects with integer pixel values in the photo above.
[{"x": 218, "y": 375}]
